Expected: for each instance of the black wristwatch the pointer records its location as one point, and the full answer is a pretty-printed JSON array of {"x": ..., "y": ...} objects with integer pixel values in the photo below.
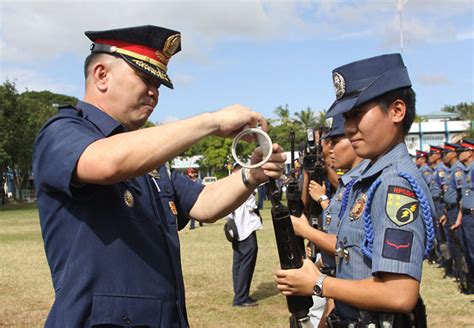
[{"x": 318, "y": 286}]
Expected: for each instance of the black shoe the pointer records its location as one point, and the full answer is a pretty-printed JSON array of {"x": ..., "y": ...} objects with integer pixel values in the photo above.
[
  {"x": 251, "y": 300},
  {"x": 246, "y": 304}
]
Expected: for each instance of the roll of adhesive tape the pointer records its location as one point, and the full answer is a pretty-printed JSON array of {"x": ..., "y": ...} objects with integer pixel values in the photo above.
[{"x": 264, "y": 142}]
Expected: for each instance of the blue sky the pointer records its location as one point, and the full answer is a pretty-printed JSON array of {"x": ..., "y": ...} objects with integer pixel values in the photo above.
[{"x": 260, "y": 54}]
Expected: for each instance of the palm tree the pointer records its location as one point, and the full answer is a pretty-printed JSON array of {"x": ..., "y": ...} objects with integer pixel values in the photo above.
[
  {"x": 306, "y": 118},
  {"x": 283, "y": 114}
]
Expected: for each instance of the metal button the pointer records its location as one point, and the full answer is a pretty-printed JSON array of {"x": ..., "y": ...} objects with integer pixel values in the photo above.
[{"x": 126, "y": 319}]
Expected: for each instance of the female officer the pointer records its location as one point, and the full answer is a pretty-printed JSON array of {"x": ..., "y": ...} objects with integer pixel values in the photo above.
[{"x": 386, "y": 228}]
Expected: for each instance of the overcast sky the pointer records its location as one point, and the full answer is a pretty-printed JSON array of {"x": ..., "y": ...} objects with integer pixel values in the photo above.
[{"x": 261, "y": 54}]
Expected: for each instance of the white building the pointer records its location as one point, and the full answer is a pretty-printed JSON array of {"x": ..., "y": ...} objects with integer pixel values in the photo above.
[{"x": 436, "y": 129}]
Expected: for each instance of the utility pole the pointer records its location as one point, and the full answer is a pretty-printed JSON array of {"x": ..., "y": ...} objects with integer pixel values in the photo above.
[{"x": 400, "y": 9}]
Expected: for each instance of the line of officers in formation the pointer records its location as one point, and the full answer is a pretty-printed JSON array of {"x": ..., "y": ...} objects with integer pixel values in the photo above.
[{"x": 449, "y": 172}]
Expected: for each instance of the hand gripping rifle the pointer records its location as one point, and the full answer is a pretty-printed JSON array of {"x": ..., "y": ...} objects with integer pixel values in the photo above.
[
  {"x": 314, "y": 165},
  {"x": 291, "y": 253}
]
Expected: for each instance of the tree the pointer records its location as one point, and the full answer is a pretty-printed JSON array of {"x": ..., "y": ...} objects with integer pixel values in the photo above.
[
  {"x": 465, "y": 110},
  {"x": 21, "y": 117},
  {"x": 306, "y": 118}
]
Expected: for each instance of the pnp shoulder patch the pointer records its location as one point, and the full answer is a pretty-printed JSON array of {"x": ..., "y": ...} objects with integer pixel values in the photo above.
[
  {"x": 401, "y": 205},
  {"x": 397, "y": 244}
]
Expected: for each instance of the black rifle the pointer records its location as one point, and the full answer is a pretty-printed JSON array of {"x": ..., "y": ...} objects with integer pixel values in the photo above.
[
  {"x": 314, "y": 165},
  {"x": 290, "y": 254},
  {"x": 293, "y": 193}
]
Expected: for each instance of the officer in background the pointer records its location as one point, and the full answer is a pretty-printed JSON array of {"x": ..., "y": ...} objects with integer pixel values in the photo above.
[
  {"x": 452, "y": 197},
  {"x": 466, "y": 215},
  {"x": 193, "y": 174},
  {"x": 109, "y": 208},
  {"x": 422, "y": 164},
  {"x": 343, "y": 158},
  {"x": 245, "y": 249},
  {"x": 385, "y": 229},
  {"x": 437, "y": 185}
]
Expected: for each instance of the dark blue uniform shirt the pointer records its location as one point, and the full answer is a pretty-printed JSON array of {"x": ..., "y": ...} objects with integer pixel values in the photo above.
[
  {"x": 398, "y": 229},
  {"x": 439, "y": 179},
  {"x": 113, "y": 250},
  {"x": 468, "y": 187}
]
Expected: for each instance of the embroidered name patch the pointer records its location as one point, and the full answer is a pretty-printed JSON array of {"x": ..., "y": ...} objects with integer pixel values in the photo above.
[
  {"x": 401, "y": 206},
  {"x": 397, "y": 244}
]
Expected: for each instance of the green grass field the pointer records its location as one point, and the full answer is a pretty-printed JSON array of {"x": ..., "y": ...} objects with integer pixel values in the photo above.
[{"x": 26, "y": 292}]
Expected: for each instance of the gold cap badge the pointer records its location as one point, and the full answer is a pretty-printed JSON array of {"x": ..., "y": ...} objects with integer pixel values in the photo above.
[
  {"x": 339, "y": 85},
  {"x": 171, "y": 45}
]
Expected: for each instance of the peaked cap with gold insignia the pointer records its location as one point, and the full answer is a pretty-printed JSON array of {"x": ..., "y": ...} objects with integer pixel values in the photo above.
[{"x": 147, "y": 48}]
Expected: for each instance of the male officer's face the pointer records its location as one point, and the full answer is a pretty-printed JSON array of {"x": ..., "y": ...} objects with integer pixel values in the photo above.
[
  {"x": 433, "y": 158},
  {"x": 342, "y": 153},
  {"x": 371, "y": 130},
  {"x": 133, "y": 93},
  {"x": 465, "y": 155}
]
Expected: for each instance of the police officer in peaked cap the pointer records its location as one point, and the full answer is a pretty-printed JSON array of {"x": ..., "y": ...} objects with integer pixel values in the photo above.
[{"x": 110, "y": 210}]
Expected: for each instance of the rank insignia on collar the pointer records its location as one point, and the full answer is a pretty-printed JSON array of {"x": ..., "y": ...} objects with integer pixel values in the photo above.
[
  {"x": 128, "y": 198},
  {"x": 358, "y": 207},
  {"x": 401, "y": 206},
  {"x": 173, "y": 208},
  {"x": 328, "y": 220},
  {"x": 154, "y": 174}
]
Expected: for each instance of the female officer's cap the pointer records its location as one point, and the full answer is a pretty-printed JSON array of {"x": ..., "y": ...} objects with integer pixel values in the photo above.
[
  {"x": 147, "y": 48},
  {"x": 364, "y": 80},
  {"x": 336, "y": 127}
]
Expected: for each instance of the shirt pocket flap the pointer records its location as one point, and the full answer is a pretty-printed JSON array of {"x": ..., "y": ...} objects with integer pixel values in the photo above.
[{"x": 125, "y": 310}]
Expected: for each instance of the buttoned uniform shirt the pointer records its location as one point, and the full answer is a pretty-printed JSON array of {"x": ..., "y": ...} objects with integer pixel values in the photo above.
[
  {"x": 113, "y": 250},
  {"x": 399, "y": 232},
  {"x": 246, "y": 220},
  {"x": 454, "y": 183},
  {"x": 437, "y": 186},
  {"x": 331, "y": 213},
  {"x": 426, "y": 173},
  {"x": 468, "y": 187},
  {"x": 439, "y": 179}
]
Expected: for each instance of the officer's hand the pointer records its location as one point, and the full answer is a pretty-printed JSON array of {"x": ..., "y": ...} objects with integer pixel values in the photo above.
[
  {"x": 231, "y": 120},
  {"x": 273, "y": 168},
  {"x": 297, "y": 281},
  {"x": 442, "y": 220},
  {"x": 300, "y": 225},
  {"x": 316, "y": 190}
]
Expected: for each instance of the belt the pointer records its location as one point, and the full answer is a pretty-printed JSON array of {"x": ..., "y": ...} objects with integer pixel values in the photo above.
[
  {"x": 451, "y": 206},
  {"x": 468, "y": 211},
  {"x": 436, "y": 199}
]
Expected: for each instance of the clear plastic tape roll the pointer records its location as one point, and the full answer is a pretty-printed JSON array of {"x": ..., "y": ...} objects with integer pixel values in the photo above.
[{"x": 265, "y": 144}]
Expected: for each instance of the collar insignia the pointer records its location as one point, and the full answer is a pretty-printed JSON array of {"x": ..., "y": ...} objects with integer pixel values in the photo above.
[{"x": 128, "y": 198}]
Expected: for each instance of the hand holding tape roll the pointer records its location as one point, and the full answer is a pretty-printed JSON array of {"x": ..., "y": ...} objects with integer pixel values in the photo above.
[{"x": 264, "y": 142}]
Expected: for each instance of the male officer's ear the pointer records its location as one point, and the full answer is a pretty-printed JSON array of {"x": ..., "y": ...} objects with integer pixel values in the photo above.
[{"x": 398, "y": 110}]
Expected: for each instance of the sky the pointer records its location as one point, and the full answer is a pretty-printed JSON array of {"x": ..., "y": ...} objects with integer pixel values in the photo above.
[{"x": 260, "y": 54}]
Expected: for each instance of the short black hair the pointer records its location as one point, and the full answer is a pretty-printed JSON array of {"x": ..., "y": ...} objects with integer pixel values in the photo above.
[
  {"x": 91, "y": 60},
  {"x": 408, "y": 96}
]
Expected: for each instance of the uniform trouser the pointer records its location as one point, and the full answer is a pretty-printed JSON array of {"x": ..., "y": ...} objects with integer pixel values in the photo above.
[
  {"x": 439, "y": 211},
  {"x": 452, "y": 215},
  {"x": 467, "y": 233},
  {"x": 243, "y": 266}
]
